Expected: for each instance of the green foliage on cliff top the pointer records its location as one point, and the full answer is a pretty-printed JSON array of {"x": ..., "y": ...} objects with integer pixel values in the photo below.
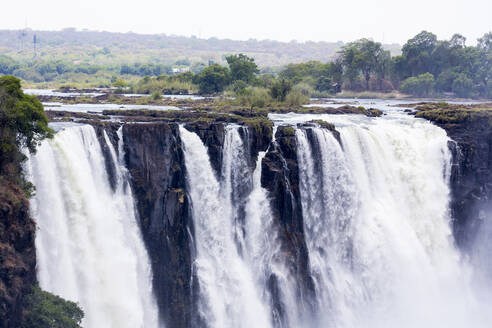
[
  {"x": 444, "y": 113},
  {"x": 45, "y": 310},
  {"x": 23, "y": 123},
  {"x": 324, "y": 124},
  {"x": 22, "y": 113}
]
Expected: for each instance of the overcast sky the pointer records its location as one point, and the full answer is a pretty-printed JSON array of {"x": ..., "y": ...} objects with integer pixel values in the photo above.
[{"x": 285, "y": 20}]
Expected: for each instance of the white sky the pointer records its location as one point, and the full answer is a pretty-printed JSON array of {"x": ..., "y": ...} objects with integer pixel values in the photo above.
[{"x": 285, "y": 20}]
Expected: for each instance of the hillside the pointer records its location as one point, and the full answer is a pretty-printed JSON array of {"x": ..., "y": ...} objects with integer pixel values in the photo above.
[{"x": 110, "y": 48}]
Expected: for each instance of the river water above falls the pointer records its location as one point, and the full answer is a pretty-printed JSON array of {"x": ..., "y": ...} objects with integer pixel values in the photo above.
[{"x": 375, "y": 226}]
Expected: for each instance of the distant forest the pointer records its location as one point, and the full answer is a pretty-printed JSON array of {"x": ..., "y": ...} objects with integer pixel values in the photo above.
[
  {"x": 423, "y": 66},
  {"x": 106, "y": 47}
]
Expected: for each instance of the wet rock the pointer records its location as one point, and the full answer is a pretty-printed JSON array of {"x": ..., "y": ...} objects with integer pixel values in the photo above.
[
  {"x": 471, "y": 170},
  {"x": 17, "y": 253},
  {"x": 280, "y": 176},
  {"x": 155, "y": 161}
]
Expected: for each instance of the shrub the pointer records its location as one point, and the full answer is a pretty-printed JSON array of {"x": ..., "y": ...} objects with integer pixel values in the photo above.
[
  {"x": 462, "y": 86},
  {"x": 444, "y": 82},
  {"x": 279, "y": 89},
  {"x": 421, "y": 85},
  {"x": 45, "y": 310},
  {"x": 254, "y": 97},
  {"x": 156, "y": 95},
  {"x": 296, "y": 98},
  {"x": 303, "y": 88},
  {"x": 212, "y": 79},
  {"x": 324, "y": 83}
]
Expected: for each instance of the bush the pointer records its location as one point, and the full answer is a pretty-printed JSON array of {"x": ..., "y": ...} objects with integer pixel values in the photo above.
[
  {"x": 22, "y": 124},
  {"x": 444, "y": 82},
  {"x": 296, "y": 98},
  {"x": 462, "y": 86},
  {"x": 254, "y": 97},
  {"x": 45, "y": 310},
  {"x": 324, "y": 84},
  {"x": 421, "y": 85},
  {"x": 303, "y": 88},
  {"x": 156, "y": 95},
  {"x": 163, "y": 84},
  {"x": 279, "y": 89},
  {"x": 239, "y": 86},
  {"x": 212, "y": 79}
]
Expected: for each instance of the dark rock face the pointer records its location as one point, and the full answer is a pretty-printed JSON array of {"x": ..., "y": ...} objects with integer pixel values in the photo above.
[
  {"x": 154, "y": 158},
  {"x": 155, "y": 161},
  {"x": 17, "y": 254},
  {"x": 471, "y": 176},
  {"x": 280, "y": 176},
  {"x": 212, "y": 136},
  {"x": 111, "y": 132}
]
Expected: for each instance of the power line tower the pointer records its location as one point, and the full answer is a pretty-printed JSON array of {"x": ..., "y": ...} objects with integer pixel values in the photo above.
[
  {"x": 22, "y": 35},
  {"x": 35, "y": 41}
]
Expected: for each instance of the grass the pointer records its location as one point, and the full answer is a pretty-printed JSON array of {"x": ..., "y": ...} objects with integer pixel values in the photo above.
[
  {"x": 370, "y": 95},
  {"x": 444, "y": 113}
]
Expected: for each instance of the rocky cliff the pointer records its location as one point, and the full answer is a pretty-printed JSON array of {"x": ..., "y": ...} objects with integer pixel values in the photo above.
[
  {"x": 17, "y": 253},
  {"x": 280, "y": 176},
  {"x": 470, "y": 128}
]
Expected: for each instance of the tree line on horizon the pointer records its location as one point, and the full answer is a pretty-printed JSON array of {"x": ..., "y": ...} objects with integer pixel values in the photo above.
[{"x": 426, "y": 67}]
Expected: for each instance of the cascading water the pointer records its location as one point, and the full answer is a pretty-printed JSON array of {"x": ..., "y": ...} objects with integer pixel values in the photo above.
[
  {"x": 89, "y": 247},
  {"x": 377, "y": 227},
  {"x": 229, "y": 295},
  {"x": 375, "y": 223}
]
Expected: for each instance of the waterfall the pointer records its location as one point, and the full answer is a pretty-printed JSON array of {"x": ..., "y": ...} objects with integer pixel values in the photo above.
[
  {"x": 375, "y": 223},
  {"x": 88, "y": 242},
  {"x": 377, "y": 227},
  {"x": 229, "y": 296}
]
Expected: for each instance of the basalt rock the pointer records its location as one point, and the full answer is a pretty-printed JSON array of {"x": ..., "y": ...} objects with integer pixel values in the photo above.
[
  {"x": 155, "y": 161},
  {"x": 212, "y": 135},
  {"x": 471, "y": 175},
  {"x": 17, "y": 253},
  {"x": 111, "y": 132},
  {"x": 280, "y": 176}
]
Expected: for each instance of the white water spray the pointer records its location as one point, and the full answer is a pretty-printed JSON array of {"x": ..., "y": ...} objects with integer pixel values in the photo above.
[
  {"x": 229, "y": 296},
  {"x": 377, "y": 227},
  {"x": 89, "y": 247}
]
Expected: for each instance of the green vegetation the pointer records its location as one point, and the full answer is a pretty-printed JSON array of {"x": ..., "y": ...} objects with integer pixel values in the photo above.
[
  {"x": 243, "y": 68},
  {"x": 213, "y": 79},
  {"x": 421, "y": 85},
  {"x": 362, "y": 66},
  {"x": 22, "y": 124},
  {"x": 324, "y": 124},
  {"x": 45, "y": 310},
  {"x": 165, "y": 84},
  {"x": 475, "y": 116},
  {"x": 427, "y": 67}
]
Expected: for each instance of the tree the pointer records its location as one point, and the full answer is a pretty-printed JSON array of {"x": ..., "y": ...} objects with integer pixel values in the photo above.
[
  {"x": 462, "y": 86},
  {"x": 421, "y": 85},
  {"x": 485, "y": 42},
  {"x": 45, "y": 310},
  {"x": 22, "y": 124},
  {"x": 212, "y": 79},
  {"x": 417, "y": 52},
  {"x": 366, "y": 57},
  {"x": 243, "y": 68},
  {"x": 324, "y": 84},
  {"x": 457, "y": 41},
  {"x": 119, "y": 83},
  {"x": 349, "y": 55},
  {"x": 279, "y": 89},
  {"x": 444, "y": 82}
]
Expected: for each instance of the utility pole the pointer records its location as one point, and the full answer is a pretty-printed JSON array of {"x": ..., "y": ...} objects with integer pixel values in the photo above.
[
  {"x": 34, "y": 41},
  {"x": 22, "y": 34}
]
